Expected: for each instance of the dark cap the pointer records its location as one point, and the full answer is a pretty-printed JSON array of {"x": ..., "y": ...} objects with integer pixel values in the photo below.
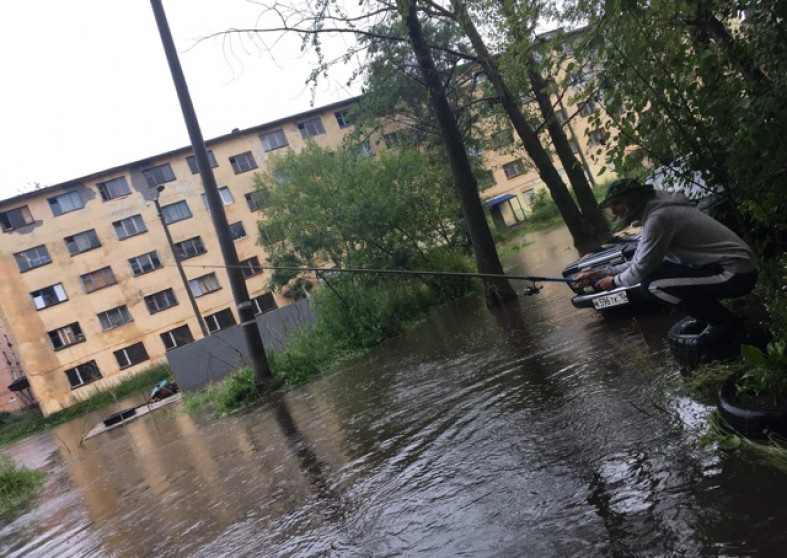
[{"x": 624, "y": 186}]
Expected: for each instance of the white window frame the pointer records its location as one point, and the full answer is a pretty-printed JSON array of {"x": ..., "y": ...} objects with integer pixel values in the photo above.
[
  {"x": 177, "y": 211},
  {"x": 114, "y": 188},
  {"x": 224, "y": 193},
  {"x": 311, "y": 127},
  {"x": 130, "y": 226},
  {"x": 144, "y": 263},
  {"x": 53, "y": 292},
  {"x": 205, "y": 284},
  {"x": 66, "y": 202},
  {"x": 114, "y": 317},
  {"x": 274, "y": 140},
  {"x": 32, "y": 258}
]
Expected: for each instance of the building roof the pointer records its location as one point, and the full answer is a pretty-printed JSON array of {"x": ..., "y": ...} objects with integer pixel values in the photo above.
[{"x": 187, "y": 149}]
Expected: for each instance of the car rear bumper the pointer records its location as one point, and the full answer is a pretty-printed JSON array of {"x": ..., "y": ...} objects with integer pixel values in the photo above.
[{"x": 616, "y": 298}]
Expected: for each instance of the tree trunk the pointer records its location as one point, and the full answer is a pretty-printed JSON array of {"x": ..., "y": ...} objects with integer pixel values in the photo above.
[
  {"x": 574, "y": 170},
  {"x": 498, "y": 291},
  {"x": 581, "y": 230}
]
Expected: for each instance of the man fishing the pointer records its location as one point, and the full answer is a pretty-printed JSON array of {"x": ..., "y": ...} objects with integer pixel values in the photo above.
[{"x": 684, "y": 259}]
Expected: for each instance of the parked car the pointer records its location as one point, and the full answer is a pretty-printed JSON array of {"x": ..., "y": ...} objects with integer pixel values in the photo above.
[{"x": 622, "y": 247}]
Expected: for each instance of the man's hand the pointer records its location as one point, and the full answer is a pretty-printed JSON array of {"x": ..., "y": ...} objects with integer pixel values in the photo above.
[
  {"x": 586, "y": 278},
  {"x": 607, "y": 283}
]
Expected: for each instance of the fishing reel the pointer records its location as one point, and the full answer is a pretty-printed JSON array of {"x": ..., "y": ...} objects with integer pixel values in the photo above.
[{"x": 531, "y": 290}]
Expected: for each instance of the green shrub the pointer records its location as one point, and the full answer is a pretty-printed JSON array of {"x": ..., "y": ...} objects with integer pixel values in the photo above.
[{"x": 17, "y": 484}]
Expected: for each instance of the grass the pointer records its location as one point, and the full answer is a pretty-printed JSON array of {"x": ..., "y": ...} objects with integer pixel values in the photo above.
[
  {"x": 26, "y": 423},
  {"x": 17, "y": 484}
]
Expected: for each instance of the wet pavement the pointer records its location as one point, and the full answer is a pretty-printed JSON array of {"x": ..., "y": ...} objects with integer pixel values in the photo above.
[{"x": 537, "y": 430}]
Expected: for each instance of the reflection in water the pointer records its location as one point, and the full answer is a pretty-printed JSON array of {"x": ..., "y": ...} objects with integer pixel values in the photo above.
[{"x": 534, "y": 430}]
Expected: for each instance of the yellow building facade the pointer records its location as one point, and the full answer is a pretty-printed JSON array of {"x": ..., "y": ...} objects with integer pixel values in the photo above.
[{"x": 91, "y": 290}]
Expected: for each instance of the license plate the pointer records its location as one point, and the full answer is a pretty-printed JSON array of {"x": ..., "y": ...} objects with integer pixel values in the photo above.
[{"x": 612, "y": 299}]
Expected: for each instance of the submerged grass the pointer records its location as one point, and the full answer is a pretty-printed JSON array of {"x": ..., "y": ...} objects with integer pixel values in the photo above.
[
  {"x": 17, "y": 484},
  {"x": 25, "y": 423},
  {"x": 772, "y": 452}
]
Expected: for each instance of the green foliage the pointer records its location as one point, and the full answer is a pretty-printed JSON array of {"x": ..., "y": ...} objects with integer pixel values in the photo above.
[
  {"x": 544, "y": 208},
  {"x": 17, "y": 484},
  {"x": 25, "y": 423},
  {"x": 764, "y": 373},
  {"x": 689, "y": 81},
  {"x": 351, "y": 211}
]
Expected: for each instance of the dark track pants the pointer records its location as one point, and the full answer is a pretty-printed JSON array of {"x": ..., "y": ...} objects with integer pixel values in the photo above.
[{"x": 696, "y": 291}]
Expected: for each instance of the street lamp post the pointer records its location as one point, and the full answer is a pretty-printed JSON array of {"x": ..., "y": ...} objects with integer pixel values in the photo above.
[{"x": 189, "y": 293}]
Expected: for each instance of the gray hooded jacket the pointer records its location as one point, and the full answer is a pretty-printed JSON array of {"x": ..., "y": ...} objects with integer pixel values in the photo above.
[{"x": 676, "y": 231}]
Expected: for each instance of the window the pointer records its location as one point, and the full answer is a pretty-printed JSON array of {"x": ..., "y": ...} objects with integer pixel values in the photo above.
[
  {"x": 311, "y": 127},
  {"x": 130, "y": 226},
  {"x": 220, "y": 320},
  {"x": 502, "y": 138},
  {"x": 115, "y": 188},
  {"x": 597, "y": 137},
  {"x": 83, "y": 374},
  {"x": 131, "y": 355},
  {"x": 256, "y": 199},
  {"x": 189, "y": 248},
  {"x": 70, "y": 201},
  {"x": 250, "y": 267},
  {"x": 392, "y": 139},
  {"x": 177, "y": 337},
  {"x": 562, "y": 115},
  {"x": 114, "y": 318},
  {"x": 98, "y": 279},
  {"x": 160, "y": 301},
  {"x": 366, "y": 149},
  {"x": 175, "y": 212},
  {"x": 144, "y": 263},
  {"x": 191, "y": 161},
  {"x": 224, "y": 193},
  {"x": 529, "y": 196},
  {"x": 514, "y": 168},
  {"x": 15, "y": 218},
  {"x": 204, "y": 285},
  {"x": 485, "y": 179},
  {"x": 243, "y": 162},
  {"x": 158, "y": 175},
  {"x": 574, "y": 145},
  {"x": 82, "y": 242},
  {"x": 270, "y": 235},
  {"x": 65, "y": 336},
  {"x": 237, "y": 231},
  {"x": 273, "y": 140},
  {"x": 31, "y": 258},
  {"x": 343, "y": 118},
  {"x": 263, "y": 303},
  {"x": 49, "y": 296},
  {"x": 587, "y": 108},
  {"x": 576, "y": 80}
]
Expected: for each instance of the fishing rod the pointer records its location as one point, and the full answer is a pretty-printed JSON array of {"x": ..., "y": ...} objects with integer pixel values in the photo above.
[{"x": 320, "y": 271}]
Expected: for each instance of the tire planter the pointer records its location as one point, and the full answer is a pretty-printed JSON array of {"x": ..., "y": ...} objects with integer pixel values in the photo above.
[
  {"x": 119, "y": 417},
  {"x": 754, "y": 423},
  {"x": 689, "y": 349}
]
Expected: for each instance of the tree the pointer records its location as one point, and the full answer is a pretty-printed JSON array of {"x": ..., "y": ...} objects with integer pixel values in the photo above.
[
  {"x": 692, "y": 83},
  {"x": 498, "y": 291},
  {"x": 337, "y": 206}
]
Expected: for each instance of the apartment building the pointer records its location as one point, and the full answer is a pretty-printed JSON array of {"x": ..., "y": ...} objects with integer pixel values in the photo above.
[{"x": 91, "y": 290}]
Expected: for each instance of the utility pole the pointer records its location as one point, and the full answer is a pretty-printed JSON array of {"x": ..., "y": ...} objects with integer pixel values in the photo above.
[
  {"x": 262, "y": 373},
  {"x": 189, "y": 293}
]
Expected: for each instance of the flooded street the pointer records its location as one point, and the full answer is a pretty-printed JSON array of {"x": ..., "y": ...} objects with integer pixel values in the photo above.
[{"x": 538, "y": 431}]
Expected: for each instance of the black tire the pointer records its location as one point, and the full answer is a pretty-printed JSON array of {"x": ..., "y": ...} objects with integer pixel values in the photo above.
[
  {"x": 690, "y": 349},
  {"x": 751, "y": 423},
  {"x": 118, "y": 417}
]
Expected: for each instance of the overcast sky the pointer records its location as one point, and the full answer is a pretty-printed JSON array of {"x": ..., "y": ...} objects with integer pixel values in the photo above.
[{"x": 86, "y": 86}]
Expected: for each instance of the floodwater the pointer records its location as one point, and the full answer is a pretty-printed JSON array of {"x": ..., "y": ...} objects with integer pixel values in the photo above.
[{"x": 535, "y": 431}]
